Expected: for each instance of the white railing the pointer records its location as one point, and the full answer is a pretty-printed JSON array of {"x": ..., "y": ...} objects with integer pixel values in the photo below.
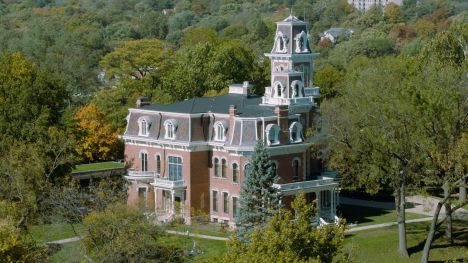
[
  {"x": 147, "y": 176},
  {"x": 164, "y": 182},
  {"x": 315, "y": 92},
  {"x": 305, "y": 100},
  {"x": 322, "y": 222},
  {"x": 325, "y": 181}
]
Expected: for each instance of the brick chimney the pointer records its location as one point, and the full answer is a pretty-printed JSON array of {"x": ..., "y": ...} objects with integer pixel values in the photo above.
[
  {"x": 282, "y": 113},
  {"x": 142, "y": 101},
  {"x": 232, "y": 114}
]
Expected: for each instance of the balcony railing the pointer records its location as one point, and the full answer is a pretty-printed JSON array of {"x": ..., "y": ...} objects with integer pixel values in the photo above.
[
  {"x": 314, "y": 92},
  {"x": 307, "y": 186},
  {"x": 143, "y": 176},
  {"x": 169, "y": 183}
]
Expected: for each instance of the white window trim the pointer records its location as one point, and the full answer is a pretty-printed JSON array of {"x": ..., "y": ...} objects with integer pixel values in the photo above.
[
  {"x": 168, "y": 131},
  {"x": 272, "y": 128},
  {"x": 142, "y": 120},
  {"x": 298, "y": 126},
  {"x": 228, "y": 206},
  {"x": 275, "y": 89},
  {"x": 219, "y": 137},
  {"x": 238, "y": 172}
]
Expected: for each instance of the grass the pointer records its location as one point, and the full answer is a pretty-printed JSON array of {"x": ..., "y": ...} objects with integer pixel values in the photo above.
[
  {"x": 51, "y": 232},
  {"x": 363, "y": 216},
  {"x": 375, "y": 245},
  {"x": 97, "y": 166},
  {"x": 380, "y": 245},
  {"x": 209, "y": 229}
]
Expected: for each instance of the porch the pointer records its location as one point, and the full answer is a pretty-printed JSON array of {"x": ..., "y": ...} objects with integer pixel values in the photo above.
[{"x": 169, "y": 198}]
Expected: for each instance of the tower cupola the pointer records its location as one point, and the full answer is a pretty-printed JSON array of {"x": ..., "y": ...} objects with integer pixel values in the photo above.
[{"x": 291, "y": 65}]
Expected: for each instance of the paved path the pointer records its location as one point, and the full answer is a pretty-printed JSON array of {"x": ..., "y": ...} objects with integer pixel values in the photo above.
[
  {"x": 196, "y": 235},
  {"x": 360, "y": 228},
  {"x": 66, "y": 240}
]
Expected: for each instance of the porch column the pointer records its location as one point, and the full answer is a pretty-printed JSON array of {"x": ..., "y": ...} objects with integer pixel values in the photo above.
[
  {"x": 155, "y": 200},
  {"x": 317, "y": 194},
  {"x": 173, "y": 201},
  {"x": 333, "y": 205}
]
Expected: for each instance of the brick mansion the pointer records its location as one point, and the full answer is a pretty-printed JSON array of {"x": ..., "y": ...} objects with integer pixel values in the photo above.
[{"x": 193, "y": 155}]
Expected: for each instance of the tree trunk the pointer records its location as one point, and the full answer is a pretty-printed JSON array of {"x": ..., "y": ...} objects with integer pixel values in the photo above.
[
  {"x": 462, "y": 197},
  {"x": 448, "y": 215},
  {"x": 430, "y": 235},
  {"x": 400, "y": 207}
]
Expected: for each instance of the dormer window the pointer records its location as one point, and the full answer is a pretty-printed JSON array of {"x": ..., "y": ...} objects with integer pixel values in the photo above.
[
  {"x": 220, "y": 131},
  {"x": 301, "y": 42},
  {"x": 281, "y": 43},
  {"x": 295, "y": 132},
  {"x": 170, "y": 126},
  {"x": 143, "y": 127},
  {"x": 297, "y": 88},
  {"x": 272, "y": 134}
]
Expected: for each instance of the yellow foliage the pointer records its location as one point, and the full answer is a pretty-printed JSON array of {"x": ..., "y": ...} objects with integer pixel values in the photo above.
[{"x": 96, "y": 140}]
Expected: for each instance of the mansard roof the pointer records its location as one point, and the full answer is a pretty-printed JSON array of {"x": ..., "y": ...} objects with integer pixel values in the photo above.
[{"x": 247, "y": 106}]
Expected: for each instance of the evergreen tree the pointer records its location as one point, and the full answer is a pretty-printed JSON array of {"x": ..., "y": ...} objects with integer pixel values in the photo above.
[{"x": 259, "y": 200}]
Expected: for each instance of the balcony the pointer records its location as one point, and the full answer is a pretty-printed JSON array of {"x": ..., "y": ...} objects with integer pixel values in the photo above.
[
  {"x": 168, "y": 183},
  {"x": 312, "y": 92},
  {"x": 320, "y": 184},
  {"x": 141, "y": 176},
  {"x": 289, "y": 101}
]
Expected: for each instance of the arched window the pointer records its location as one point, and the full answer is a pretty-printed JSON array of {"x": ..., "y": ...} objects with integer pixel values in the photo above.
[
  {"x": 235, "y": 173},
  {"x": 281, "y": 42},
  {"x": 297, "y": 88},
  {"x": 278, "y": 89},
  {"x": 295, "y": 132},
  {"x": 143, "y": 126},
  {"x": 216, "y": 167},
  {"x": 247, "y": 169},
  {"x": 223, "y": 168},
  {"x": 274, "y": 167},
  {"x": 272, "y": 134},
  {"x": 220, "y": 131},
  {"x": 301, "y": 42},
  {"x": 158, "y": 164},
  {"x": 170, "y": 126},
  {"x": 295, "y": 170},
  {"x": 144, "y": 161}
]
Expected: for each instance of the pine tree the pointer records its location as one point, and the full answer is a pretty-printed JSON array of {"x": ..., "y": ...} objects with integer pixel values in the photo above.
[{"x": 259, "y": 200}]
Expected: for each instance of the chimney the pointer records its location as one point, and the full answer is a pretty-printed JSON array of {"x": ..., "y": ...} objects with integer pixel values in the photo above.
[
  {"x": 142, "y": 101},
  {"x": 232, "y": 114},
  {"x": 282, "y": 113}
]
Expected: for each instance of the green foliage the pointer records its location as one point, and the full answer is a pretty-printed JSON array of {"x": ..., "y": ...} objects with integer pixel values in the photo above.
[
  {"x": 259, "y": 200},
  {"x": 208, "y": 66},
  {"x": 328, "y": 79},
  {"x": 30, "y": 99},
  {"x": 121, "y": 234},
  {"x": 289, "y": 237},
  {"x": 16, "y": 247}
]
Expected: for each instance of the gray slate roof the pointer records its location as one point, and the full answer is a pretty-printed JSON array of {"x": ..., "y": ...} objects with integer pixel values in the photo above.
[{"x": 247, "y": 106}]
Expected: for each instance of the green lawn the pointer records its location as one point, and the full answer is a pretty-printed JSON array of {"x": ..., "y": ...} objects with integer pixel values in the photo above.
[
  {"x": 51, "y": 232},
  {"x": 380, "y": 245},
  {"x": 73, "y": 252},
  {"x": 203, "y": 229},
  {"x": 363, "y": 216},
  {"x": 97, "y": 166}
]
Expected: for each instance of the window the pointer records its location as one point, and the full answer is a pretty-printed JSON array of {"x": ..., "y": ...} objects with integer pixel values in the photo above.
[
  {"x": 225, "y": 203},
  {"x": 158, "y": 164},
  {"x": 175, "y": 168},
  {"x": 274, "y": 168},
  {"x": 220, "y": 131},
  {"x": 216, "y": 167},
  {"x": 235, "y": 173},
  {"x": 223, "y": 168},
  {"x": 295, "y": 132},
  {"x": 296, "y": 170},
  {"x": 142, "y": 192},
  {"x": 272, "y": 131},
  {"x": 215, "y": 201},
  {"x": 144, "y": 161},
  {"x": 170, "y": 126},
  {"x": 235, "y": 206},
  {"x": 278, "y": 89},
  {"x": 143, "y": 126},
  {"x": 247, "y": 169}
]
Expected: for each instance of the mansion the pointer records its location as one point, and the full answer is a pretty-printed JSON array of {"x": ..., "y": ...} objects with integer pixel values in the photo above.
[
  {"x": 192, "y": 155},
  {"x": 364, "y": 5}
]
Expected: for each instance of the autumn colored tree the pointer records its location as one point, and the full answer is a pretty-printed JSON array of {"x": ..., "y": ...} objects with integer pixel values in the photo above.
[{"x": 96, "y": 140}]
